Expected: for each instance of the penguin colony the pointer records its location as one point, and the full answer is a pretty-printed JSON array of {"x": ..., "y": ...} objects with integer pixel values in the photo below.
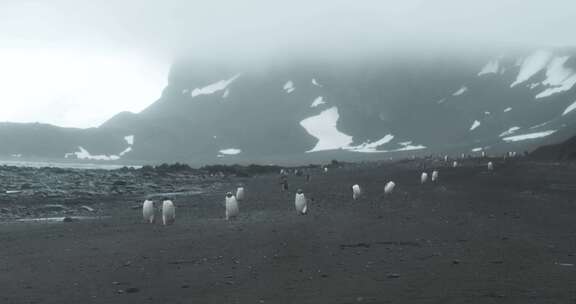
[{"x": 232, "y": 208}]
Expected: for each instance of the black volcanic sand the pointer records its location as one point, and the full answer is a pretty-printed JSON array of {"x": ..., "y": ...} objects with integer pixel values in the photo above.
[{"x": 507, "y": 236}]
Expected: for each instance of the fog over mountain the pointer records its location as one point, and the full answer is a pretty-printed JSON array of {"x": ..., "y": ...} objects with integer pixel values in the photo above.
[{"x": 261, "y": 80}]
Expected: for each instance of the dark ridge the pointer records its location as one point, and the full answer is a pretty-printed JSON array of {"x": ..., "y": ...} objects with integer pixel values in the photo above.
[{"x": 565, "y": 151}]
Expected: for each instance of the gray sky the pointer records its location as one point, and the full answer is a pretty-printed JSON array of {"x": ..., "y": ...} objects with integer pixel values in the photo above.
[{"x": 83, "y": 61}]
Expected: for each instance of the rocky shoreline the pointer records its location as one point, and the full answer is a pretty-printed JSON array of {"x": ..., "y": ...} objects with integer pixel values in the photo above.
[{"x": 52, "y": 192}]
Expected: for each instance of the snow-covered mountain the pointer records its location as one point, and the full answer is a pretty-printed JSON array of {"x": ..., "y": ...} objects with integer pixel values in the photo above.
[{"x": 356, "y": 109}]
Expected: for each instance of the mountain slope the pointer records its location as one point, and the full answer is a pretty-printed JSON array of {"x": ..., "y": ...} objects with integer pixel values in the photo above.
[
  {"x": 562, "y": 151},
  {"x": 351, "y": 110}
]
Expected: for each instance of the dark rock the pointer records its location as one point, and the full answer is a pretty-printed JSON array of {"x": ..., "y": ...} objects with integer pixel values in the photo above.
[
  {"x": 358, "y": 245},
  {"x": 131, "y": 290},
  {"x": 120, "y": 183}
]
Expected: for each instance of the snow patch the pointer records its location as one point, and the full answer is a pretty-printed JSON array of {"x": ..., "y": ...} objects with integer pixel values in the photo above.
[
  {"x": 528, "y": 136},
  {"x": 558, "y": 77},
  {"x": 215, "y": 87},
  {"x": 129, "y": 139},
  {"x": 507, "y": 109},
  {"x": 226, "y": 93},
  {"x": 460, "y": 91},
  {"x": 531, "y": 66},
  {"x": 314, "y": 82},
  {"x": 491, "y": 67},
  {"x": 85, "y": 155},
  {"x": 477, "y": 149},
  {"x": 409, "y": 148},
  {"x": 318, "y": 101},
  {"x": 533, "y": 86},
  {"x": 475, "y": 125},
  {"x": 540, "y": 125},
  {"x": 509, "y": 131},
  {"x": 230, "y": 151},
  {"x": 570, "y": 108},
  {"x": 129, "y": 149},
  {"x": 289, "y": 87},
  {"x": 370, "y": 147},
  {"x": 323, "y": 127}
]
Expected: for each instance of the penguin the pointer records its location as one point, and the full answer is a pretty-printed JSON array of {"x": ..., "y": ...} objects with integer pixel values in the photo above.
[
  {"x": 168, "y": 212},
  {"x": 435, "y": 176},
  {"x": 423, "y": 177},
  {"x": 356, "y": 192},
  {"x": 232, "y": 209},
  {"x": 148, "y": 211},
  {"x": 389, "y": 187},
  {"x": 240, "y": 194},
  {"x": 300, "y": 202}
]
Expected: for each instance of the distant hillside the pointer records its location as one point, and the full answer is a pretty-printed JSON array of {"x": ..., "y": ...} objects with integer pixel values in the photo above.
[
  {"x": 561, "y": 151},
  {"x": 303, "y": 112}
]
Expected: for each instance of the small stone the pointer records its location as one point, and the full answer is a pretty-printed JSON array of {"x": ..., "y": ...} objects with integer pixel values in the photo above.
[
  {"x": 393, "y": 275},
  {"x": 132, "y": 290},
  {"x": 120, "y": 183}
]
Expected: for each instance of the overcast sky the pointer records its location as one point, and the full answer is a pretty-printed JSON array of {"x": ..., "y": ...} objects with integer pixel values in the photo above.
[{"x": 78, "y": 62}]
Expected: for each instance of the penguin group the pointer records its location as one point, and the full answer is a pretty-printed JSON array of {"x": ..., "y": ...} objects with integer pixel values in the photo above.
[
  {"x": 168, "y": 211},
  {"x": 232, "y": 200}
]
